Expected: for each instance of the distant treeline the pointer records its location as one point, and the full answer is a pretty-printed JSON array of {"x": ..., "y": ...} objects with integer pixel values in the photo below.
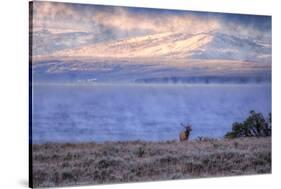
[{"x": 206, "y": 79}]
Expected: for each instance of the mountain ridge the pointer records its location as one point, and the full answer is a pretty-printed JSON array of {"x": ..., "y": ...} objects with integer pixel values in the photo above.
[{"x": 211, "y": 45}]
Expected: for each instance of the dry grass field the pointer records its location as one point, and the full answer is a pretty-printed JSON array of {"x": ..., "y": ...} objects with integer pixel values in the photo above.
[{"x": 134, "y": 161}]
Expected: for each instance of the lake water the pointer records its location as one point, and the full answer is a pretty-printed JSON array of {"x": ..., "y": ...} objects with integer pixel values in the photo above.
[{"x": 71, "y": 113}]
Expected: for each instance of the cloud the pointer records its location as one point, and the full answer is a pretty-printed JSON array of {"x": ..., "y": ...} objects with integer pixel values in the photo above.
[
  {"x": 126, "y": 21},
  {"x": 98, "y": 19},
  {"x": 68, "y": 16},
  {"x": 51, "y": 10},
  {"x": 106, "y": 23},
  {"x": 56, "y": 16}
]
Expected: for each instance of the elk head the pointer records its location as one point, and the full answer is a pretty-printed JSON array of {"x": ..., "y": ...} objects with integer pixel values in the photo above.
[{"x": 188, "y": 128}]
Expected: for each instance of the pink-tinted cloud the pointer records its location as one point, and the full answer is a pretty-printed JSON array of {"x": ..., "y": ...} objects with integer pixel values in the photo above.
[{"x": 59, "y": 15}]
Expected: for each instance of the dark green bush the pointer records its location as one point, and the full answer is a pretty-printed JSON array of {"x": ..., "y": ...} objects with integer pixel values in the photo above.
[{"x": 254, "y": 126}]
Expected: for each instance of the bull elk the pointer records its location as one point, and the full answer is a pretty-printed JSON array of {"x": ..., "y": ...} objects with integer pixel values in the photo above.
[{"x": 185, "y": 134}]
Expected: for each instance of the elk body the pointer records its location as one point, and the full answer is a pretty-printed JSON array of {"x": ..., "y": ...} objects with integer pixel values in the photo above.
[{"x": 184, "y": 135}]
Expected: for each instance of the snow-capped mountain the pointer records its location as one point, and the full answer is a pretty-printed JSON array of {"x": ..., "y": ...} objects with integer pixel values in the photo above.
[
  {"x": 229, "y": 47},
  {"x": 165, "y": 55},
  {"x": 157, "y": 45},
  {"x": 177, "y": 45}
]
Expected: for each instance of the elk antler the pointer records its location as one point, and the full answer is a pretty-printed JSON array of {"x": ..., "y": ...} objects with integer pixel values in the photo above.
[{"x": 183, "y": 125}]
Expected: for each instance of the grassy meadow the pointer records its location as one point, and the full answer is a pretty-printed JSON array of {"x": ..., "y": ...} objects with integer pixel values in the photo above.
[{"x": 65, "y": 164}]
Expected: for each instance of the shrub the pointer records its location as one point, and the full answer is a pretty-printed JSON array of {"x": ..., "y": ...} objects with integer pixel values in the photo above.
[
  {"x": 254, "y": 126},
  {"x": 204, "y": 139},
  {"x": 140, "y": 152}
]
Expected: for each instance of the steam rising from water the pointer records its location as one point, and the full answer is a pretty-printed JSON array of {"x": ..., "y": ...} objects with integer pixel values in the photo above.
[{"x": 146, "y": 112}]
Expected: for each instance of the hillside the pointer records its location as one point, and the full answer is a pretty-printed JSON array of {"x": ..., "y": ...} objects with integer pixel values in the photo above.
[
  {"x": 164, "y": 55},
  {"x": 212, "y": 45}
]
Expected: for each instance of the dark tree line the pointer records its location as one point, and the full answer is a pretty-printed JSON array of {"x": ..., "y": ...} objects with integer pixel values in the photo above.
[{"x": 256, "y": 125}]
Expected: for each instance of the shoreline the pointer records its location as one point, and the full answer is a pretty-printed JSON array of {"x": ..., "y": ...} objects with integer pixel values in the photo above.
[{"x": 65, "y": 164}]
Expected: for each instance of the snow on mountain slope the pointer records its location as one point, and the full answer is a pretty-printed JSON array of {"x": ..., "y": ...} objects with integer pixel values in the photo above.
[
  {"x": 227, "y": 47},
  {"x": 177, "y": 45},
  {"x": 46, "y": 42},
  {"x": 165, "y": 55},
  {"x": 157, "y": 45}
]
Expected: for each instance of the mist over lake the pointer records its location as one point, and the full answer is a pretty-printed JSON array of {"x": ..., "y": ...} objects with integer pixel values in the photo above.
[{"x": 104, "y": 112}]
